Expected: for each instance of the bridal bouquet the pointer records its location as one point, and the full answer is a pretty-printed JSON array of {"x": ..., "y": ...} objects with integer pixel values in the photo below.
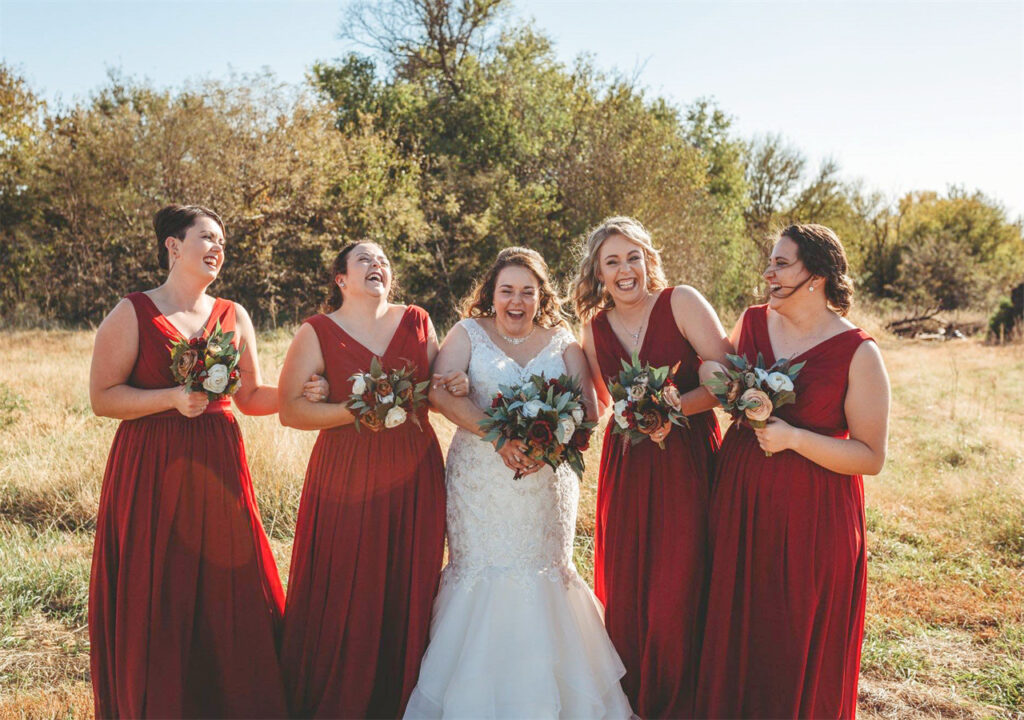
[
  {"x": 645, "y": 399},
  {"x": 210, "y": 364},
  {"x": 548, "y": 415},
  {"x": 386, "y": 398},
  {"x": 753, "y": 391}
]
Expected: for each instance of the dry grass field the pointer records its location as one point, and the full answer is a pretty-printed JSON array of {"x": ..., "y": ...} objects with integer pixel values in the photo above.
[{"x": 945, "y": 630}]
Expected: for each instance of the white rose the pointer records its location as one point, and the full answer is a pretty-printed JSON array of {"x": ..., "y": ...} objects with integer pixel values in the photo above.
[
  {"x": 390, "y": 397},
  {"x": 564, "y": 431},
  {"x": 578, "y": 415},
  {"x": 532, "y": 407},
  {"x": 619, "y": 408},
  {"x": 216, "y": 379},
  {"x": 642, "y": 379},
  {"x": 637, "y": 392},
  {"x": 779, "y": 381},
  {"x": 358, "y": 384},
  {"x": 762, "y": 375},
  {"x": 394, "y": 418}
]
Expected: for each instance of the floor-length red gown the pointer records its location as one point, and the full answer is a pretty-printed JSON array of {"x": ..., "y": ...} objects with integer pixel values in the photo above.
[
  {"x": 650, "y": 540},
  {"x": 788, "y": 578},
  {"x": 184, "y": 599},
  {"x": 368, "y": 546}
]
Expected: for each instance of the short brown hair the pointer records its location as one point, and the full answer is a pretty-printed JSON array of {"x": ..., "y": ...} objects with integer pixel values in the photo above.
[
  {"x": 821, "y": 252},
  {"x": 480, "y": 302},
  {"x": 174, "y": 221}
]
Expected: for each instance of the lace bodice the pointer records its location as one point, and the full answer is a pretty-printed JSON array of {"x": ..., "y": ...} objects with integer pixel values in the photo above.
[{"x": 495, "y": 523}]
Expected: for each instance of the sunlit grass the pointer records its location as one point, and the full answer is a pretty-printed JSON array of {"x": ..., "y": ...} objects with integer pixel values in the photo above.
[{"x": 945, "y": 626}]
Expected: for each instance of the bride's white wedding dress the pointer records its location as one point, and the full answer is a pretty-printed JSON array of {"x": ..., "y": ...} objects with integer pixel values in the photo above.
[{"x": 516, "y": 632}]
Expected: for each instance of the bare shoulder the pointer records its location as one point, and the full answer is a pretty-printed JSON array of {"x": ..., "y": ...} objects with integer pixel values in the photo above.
[{"x": 121, "y": 318}]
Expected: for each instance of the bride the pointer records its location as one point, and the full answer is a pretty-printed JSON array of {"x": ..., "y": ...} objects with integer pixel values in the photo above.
[{"x": 515, "y": 631}]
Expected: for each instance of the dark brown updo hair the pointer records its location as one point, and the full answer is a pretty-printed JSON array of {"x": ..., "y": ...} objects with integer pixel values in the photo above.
[
  {"x": 340, "y": 267},
  {"x": 480, "y": 302},
  {"x": 174, "y": 221},
  {"x": 820, "y": 251}
]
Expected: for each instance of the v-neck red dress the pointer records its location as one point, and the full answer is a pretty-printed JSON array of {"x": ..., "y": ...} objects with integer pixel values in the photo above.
[
  {"x": 650, "y": 539},
  {"x": 184, "y": 598},
  {"x": 788, "y": 575},
  {"x": 368, "y": 546}
]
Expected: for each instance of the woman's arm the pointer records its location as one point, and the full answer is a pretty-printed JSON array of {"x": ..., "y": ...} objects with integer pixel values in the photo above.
[
  {"x": 453, "y": 358},
  {"x": 113, "y": 356},
  {"x": 601, "y": 394},
  {"x": 699, "y": 324},
  {"x": 304, "y": 359},
  {"x": 576, "y": 366},
  {"x": 867, "y": 416},
  {"x": 253, "y": 396}
]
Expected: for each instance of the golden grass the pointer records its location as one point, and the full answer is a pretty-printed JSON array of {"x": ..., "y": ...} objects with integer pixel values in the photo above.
[{"x": 945, "y": 631}]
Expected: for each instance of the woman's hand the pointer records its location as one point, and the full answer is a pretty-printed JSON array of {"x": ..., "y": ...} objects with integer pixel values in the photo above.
[
  {"x": 455, "y": 383},
  {"x": 316, "y": 389},
  {"x": 659, "y": 435},
  {"x": 516, "y": 455},
  {"x": 190, "y": 404},
  {"x": 776, "y": 436}
]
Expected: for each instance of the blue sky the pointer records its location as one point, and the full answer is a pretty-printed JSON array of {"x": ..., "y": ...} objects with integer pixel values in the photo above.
[{"x": 905, "y": 95}]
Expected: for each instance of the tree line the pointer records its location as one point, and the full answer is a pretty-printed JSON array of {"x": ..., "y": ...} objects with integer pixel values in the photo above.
[{"x": 452, "y": 136}]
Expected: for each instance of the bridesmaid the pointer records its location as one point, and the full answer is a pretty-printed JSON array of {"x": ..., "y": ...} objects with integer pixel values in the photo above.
[
  {"x": 650, "y": 544},
  {"x": 184, "y": 598},
  {"x": 370, "y": 535},
  {"x": 786, "y": 604}
]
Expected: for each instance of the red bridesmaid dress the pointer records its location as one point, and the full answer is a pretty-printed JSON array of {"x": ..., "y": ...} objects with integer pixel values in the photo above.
[
  {"x": 650, "y": 539},
  {"x": 184, "y": 599},
  {"x": 786, "y": 604},
  {"x": 368, "y": 546}
]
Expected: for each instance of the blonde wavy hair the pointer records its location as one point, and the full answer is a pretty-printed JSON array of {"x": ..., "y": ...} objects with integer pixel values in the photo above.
[
  {"x": 480, "y": 301},
  {"x": 589, "y": 295}
]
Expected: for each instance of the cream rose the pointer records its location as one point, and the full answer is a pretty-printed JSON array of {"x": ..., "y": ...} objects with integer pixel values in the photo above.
[
  {"x": 671, "y": 395},
  {"x": 564, "y": 431},
  {"x": 578, "y": 415},
  {"x": 637, "y": 391},
  {"x": 779, "y": 381},
  {"x": 619, "y": 408},
  {"x": 358, "y": 384},
  {"x": 216, "y": 379},
  {"x": 395, "y": 417},
  {"x": 759, "y": 406}
]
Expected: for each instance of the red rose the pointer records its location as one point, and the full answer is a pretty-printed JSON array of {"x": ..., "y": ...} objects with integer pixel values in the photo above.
[
  {"x": 496, "y": 402},
  {"x": 580, "y": 440},
  {"x": 540, "y": 434}
]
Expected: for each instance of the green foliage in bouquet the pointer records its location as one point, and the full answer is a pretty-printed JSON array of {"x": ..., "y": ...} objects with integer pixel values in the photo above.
[
  {"x": 547, "y": 414},
  {"x": 383, "y": 399},
  {"x": 209, "y": 364}
]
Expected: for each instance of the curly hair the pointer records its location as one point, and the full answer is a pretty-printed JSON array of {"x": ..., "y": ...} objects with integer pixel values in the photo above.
[
  {"x": 821, "y": 252},
  {"x": 588, "y": 292},
  {"x": 480, "y": 301}
]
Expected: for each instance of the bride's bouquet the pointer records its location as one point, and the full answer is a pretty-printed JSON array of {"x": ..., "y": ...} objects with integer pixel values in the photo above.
[
  {"x": 210, "y": 364},
  {"x": 645, "y": 398},
  {"x": 548, "y": 415},
  {"x": 753, "y": 391},
  {"x": 384, "y": 399}
]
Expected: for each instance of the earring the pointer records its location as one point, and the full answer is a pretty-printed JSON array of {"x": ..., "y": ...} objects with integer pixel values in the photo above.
[
  {"x": 810, "y": 288},
  {"x": 341, "y": 285}
]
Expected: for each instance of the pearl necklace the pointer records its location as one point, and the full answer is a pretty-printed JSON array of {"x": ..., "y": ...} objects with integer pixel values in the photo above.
[{"x": 515, "y": 340}]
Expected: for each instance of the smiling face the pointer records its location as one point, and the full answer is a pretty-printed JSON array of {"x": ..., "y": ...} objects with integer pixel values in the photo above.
[
  {"x": 622, "y": 268},
  {"x": 200, "y": 252},
  {"x": 785, "y": 273},
  {"x": 516, "y": 299},
  {"x": 368, "y": 273}
]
